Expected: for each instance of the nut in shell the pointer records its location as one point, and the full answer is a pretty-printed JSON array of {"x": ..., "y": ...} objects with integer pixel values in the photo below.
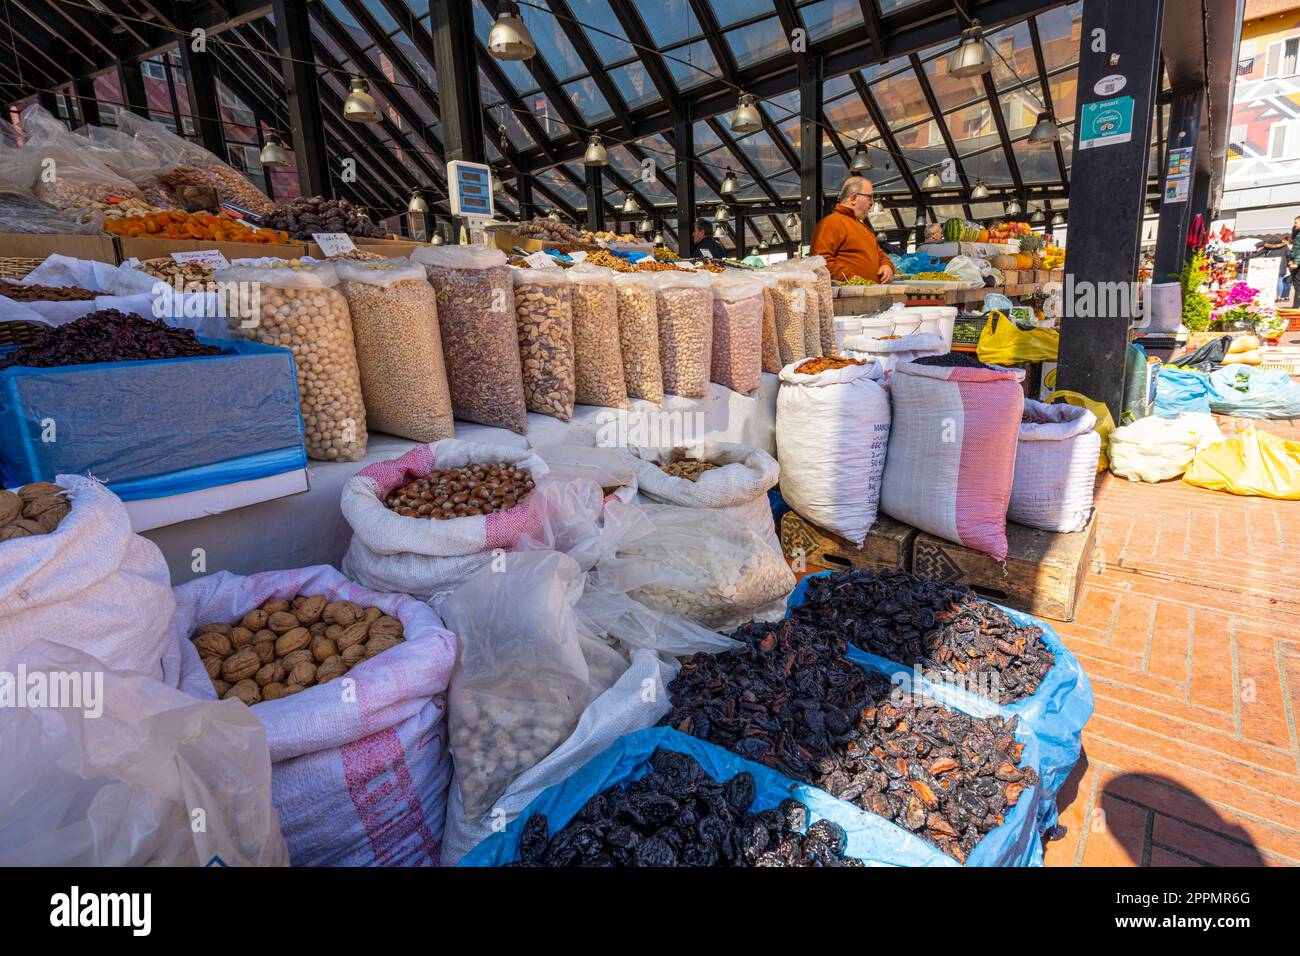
[
  {"x": 220, "y": 686},
  {"x": 11, "y": 507},
  {"x": 242, "y": 664},
  {"x": 242, "y": 637},
  {"x": 255, "y": 620},
  {"x": 215, "y": 628},
  {"x": 212, "y": 665},
  {"x": 38, "y": 489},
  {"x": 330, "y": 669},
  {"x": 282, "y": 621},
  {"x": 274, "y": 691},
  {"x": 212, "y": 643},
  {"x": 291, "y": 689},
  {"x": 386, "y": 627},
  {"x": 49, "y": 521},
  {"x": 354, "y": 654},
  {"x": 271, "y": 605},
  {"x": 246, "y": 691},
  {"x": 377, "y": 645},
  {"x": 269, "y": 674},
  {"x": 353, "y": 634},
  {"x": 38, "y": 506},
  {"x": 291, "y": 641},
  {"x": 323, "y": 648},
  {"x": 342, "y": 613},
  {"x": 265, "y": 651},
  {"x": 310, "y": 610},
  {"x": 300, "y": 656},
  {"x": 12, "y": 531},
  {"x": 304, "y": 673}
]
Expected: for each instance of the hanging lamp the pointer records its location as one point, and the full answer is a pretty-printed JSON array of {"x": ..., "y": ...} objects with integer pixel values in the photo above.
[
  {"x": 861, "y": 159},
  {"x": 360, "y": 106},
  {"x": 721, "y": 214},
  {"x": 971, "y": 58},
  {"x": 630, "y": 208},
  {"x": 417, "y": 203},
  {"x": 980, "y": 191},
  {"x": 931, "y": 181},
  {"x": 273, "y": 152},
  {"x": 1045, "y": 130},
  {"x": 595, "y": 154},
  {"x": 553, "y": 216},
  {"x": 645, "y": 226},
  {"x": 437, "y": 239},
  {"x": 729, "y": 184},
  {"x": 1013, "y": 208},
  {"x": 1056, "y": 219},
  {"x": 762, "y": 244},
  {"x": 719, "y": 231},
  {"x": 658, "y": 239},
  {"x": 790, "y": 221},
  {"x": 509, "y": 38},
  {"x": 747, "y": 118}
]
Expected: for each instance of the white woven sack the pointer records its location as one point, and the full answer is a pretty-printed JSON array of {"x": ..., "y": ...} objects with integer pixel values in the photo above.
[
  {"x": 1156, "y": 449},
  {"x": 890, "y": 352},
  {"x": 359, "y": 766},
  {"x": 1056, "y": 467},
  {"x": 92, "y": 584},
  {"x": 739, "y": 488},
  {"x": 832, "y": 430}
]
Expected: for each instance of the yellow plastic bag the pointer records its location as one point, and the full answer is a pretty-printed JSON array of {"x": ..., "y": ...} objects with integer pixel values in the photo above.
[
  {"x": 1003, "y": 343},
  {"x": 1253, "y": 463},
  {"x": 1105, "y": 421}
]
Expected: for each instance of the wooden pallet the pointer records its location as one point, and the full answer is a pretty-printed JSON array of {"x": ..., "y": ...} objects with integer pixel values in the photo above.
[
  {"x": 888, "y": 545},
  {"x": 1043, "y": 575}
]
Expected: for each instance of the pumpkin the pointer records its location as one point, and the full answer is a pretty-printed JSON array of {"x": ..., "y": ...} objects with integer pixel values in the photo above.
[{"x": 1005, "y": 262}]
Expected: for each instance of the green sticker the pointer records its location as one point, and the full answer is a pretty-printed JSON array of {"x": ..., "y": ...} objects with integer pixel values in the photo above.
[{"x": 1106, "y": 122}]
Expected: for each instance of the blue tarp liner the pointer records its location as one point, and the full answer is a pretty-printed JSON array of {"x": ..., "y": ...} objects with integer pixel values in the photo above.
[
  {"x": 1249, "y": 392},
  {"x": 157, "y": 428},
  {"x": 872, "y": 839},
  {"x": 1181, "y": 390},
  {"x": 1055, "y": 714}
]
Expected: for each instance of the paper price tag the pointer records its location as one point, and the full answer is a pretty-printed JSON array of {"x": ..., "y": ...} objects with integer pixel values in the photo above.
[
  {"x": 577, "y": 256},
  {"x": 685, "y": 264},
  {"x": 334, "y": 243},
  {"x": 540, "y": 260},
  {"x": 206, "y": 257}
]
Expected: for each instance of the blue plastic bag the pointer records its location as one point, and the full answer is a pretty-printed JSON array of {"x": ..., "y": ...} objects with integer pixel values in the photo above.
[
  {"x": 872, "y": 839},
  {"x": 1181, "y": 390},
  {"x": 156, "y": 428},
  {"x": 1263, "y": 392},
  {"x": 919, "y": 262},
  {"x": 1055, "y": 714}
]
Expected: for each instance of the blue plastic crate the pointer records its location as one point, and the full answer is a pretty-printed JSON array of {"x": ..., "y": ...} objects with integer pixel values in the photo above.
[{"x": 152, "y": 429}]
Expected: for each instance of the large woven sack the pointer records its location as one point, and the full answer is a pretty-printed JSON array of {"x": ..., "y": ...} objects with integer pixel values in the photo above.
[
  {"x": 952, "y": 452},
  {"x": 1056, "y": 467}
]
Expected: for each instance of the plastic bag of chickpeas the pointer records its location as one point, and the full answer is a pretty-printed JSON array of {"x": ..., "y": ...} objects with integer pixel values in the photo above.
[{"x": 299, "y": 306}]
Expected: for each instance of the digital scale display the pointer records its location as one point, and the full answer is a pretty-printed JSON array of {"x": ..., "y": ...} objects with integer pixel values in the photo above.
[{"x": 471, "y": 190}]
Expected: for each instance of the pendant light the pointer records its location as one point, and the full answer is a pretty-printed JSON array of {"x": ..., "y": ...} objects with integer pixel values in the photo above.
[
  {"x": 971, "y": 58},
  {"x": 437, "y": 239},
  {"x": 273, "y": 152},
  {"x": 721, "y": 214},
  {"x": 790, "y": 221},
  {"x": 630, "y": 208},
  {"x": 1038, "y": 218},
  {"x": 1056, "y": 219},
  {"x": 360, "y": 106},
  {"x": 645, "y": 226},
  {"x": 553, "y": 216},
  {"x": 931, "y": 181},
  {"x": 595, "y": 154},
  {"x": 658, "y": 239},
  {"x": 861, "y": 159},
  {"x": 719, "y": 231},
  {"x": 729, "y": 183},
  {"x": 363, "y": 212},
  {"x": 762, "y": 244},
  {"x": 980, "y": 191},
  {"x": 417, "y": 203},
  {"x": 747, "y": 118},
  {"x": 509, "y": 38},
  {"x": 1044, "y": 130},
  {"x": 1013, "y": 208}
]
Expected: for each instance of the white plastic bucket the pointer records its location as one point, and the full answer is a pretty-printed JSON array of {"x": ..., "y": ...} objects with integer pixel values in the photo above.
[
  {"x": 1164, "y": 307},
  {"x": 913, "y": 320}
]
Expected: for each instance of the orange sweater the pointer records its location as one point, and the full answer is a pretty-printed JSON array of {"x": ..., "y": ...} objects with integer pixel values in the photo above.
[{"x": 849, "y": 247}]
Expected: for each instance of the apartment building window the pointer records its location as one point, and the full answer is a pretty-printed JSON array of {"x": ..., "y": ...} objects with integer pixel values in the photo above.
[{"x": 1283, "y": 58}]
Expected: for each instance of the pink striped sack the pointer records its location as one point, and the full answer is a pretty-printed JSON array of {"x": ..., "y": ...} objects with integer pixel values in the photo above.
[
  {"x": 424, "y": 557},
  {"x": 359, "y": 766},
  {"x": 952, "y": 452}
]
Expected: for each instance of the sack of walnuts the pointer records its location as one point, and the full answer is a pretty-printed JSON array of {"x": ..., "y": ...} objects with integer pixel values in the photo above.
[
  {"x": 350, "y": 685},
  {"x": 72, "y": 571}
]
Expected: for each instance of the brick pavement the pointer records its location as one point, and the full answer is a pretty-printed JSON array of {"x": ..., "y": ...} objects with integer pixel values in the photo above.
[{"x": 1189, "y": 629}]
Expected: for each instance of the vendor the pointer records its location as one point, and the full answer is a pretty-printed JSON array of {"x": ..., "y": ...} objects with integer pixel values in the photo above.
[
  {"x": 703, "y": 243},
  {"x": 845, "y": 240}
]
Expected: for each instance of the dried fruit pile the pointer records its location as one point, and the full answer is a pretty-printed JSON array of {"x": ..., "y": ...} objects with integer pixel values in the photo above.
[
  {"x": 34, "y": 292},
  {"x": 952, "y": 360},
  {"x": 678, "y": 815},
  {"x": 688, "y": 468},
  {"x": 284, "y": 647},
  {"x": 107, "y": 336},
  {"x": 918, "y": 622},
  {"x": 608, "y": 260},
  {"x": 305, "y": 216},
  {"x": 461, "y": 492},
  {"x": 190, "y": 225},
  {"x": 33, "y": 509},
  {"x": 540, "y": 227},
  {"x": 815, "y": 365}
]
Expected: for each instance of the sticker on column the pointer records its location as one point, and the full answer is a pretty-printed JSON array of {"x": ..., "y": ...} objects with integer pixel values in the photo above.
[
  {"x": 1106, "y": 122},
  {"x": 1110, "y": 85}
]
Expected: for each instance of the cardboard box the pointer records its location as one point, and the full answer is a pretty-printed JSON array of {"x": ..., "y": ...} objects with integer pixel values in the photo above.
[
  {"x": 25, "y": 246},
  {"x": 390, "y": 248},
  {"x": 505, "y": 240},
  {"x": 142, "y": 248}
]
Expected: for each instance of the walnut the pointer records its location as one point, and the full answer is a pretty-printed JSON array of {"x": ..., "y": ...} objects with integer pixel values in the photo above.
[
  {"x": 213, "y": 643},
  {"x": 212, "y": 664},
  {"x": 11, "y": 507},
  {"x": 28, "y": 525},
  {"x": 241, "y": 637},
  {"x": 291, "y": 689},
  {"x": 265, "y": 634},
  {"x": 342, "y": 613},
  {"x": 372, "y": 614},
  {"x": 38, "y": 506},
  {"x": 269, "y": 674},
  {"x": 9, "y": 532},
  {"x": 282, "y": 621},
  {"x": 215, "y": 628},
  {"x": 50, "y": 520},
  {"x": 38, "y": 489},
  {"x": 377, "y": 645},
  {"x": 322, "y": 649},
  {"x": 353, "y": 634},
  {"x": 274, "y": 691},
  {"x": 330, "y": 669},
  {"x": 354, "y": 654},
  {"x": 334, "y": 632},
  {"x": 245, "y": 690},
  {"x": 311, "y": 609},
  {"x": 241, "y": 664},
  {"x": 265, "y": 651},
  {"x": 386, "y": 627},
  {"x": 255, "y": 620},
  {"x": 317, "y": 629},
  {"x": 292, "y": 640},
  {"x": 294, "y": 658},
  {"x": 272, "y": 605},
  {"x": 303, "y": 673},
  {"x": 221, "y": 687},
  {"x": 297, "y": 603}
]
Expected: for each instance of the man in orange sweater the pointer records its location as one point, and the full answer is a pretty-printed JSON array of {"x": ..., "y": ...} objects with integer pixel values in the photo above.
[{"x": 845, "y": 241}]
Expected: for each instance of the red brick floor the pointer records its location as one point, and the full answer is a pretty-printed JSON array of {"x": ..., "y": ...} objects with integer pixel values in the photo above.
[{"x": 1189, "y": 628}]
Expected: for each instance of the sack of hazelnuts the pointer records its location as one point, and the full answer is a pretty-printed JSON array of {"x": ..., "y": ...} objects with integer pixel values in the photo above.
[{"x": 350, "y": 685}]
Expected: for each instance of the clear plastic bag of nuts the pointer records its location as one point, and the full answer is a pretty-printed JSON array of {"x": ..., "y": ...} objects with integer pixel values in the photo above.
[
  {"x": 771, "y": 350},
  {"x": 638, "y": 335},
  {"x": 544, "y": 319},
  {"x": 737, "y": 354},
  {"x": 788, "y": 301},
  {"x": 399, "y": 348},
  {"x": 301, "y": 309},
  {"x": 685, "y": 331},
  {"x": 480, "y": 340},
  {"x": 598, "y": 369},
  {"x": 825, "y": 302},
  {"x": 68, "y": 173},
  {"x": 806, "y": 281}
]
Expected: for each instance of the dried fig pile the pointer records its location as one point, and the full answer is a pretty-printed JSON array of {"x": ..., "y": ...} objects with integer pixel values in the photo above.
[
  {"x": 284, "y": 647},
  {"x": 305, "y": 216},
  {"x": 461, "y": 492},
  {"x": 688, "y": 468},
  {"x": 33, "y": 509}
]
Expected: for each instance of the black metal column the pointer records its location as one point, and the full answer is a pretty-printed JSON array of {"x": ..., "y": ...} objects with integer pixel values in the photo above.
[
  {"x": 295, "y": 44},
  {"x": 201, "y": 90},
  {"x": 1107, "y": 197},
  {"x": 1201, "y": 198},
  {"x": 739, "y": 227},
  {"x": 49, "y": 102},
  {"x": 595, "y": 200},
  {"x": 85, "y": 90},
  {"x": 811, "y": 188},
  {"x": 133, "y": 92},
  {"x": 1175, "y": 217},
  {"x": 527, "y": 208},
  {"x": 684, "y": 178},
  {"x": 451, "y": 23}
]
